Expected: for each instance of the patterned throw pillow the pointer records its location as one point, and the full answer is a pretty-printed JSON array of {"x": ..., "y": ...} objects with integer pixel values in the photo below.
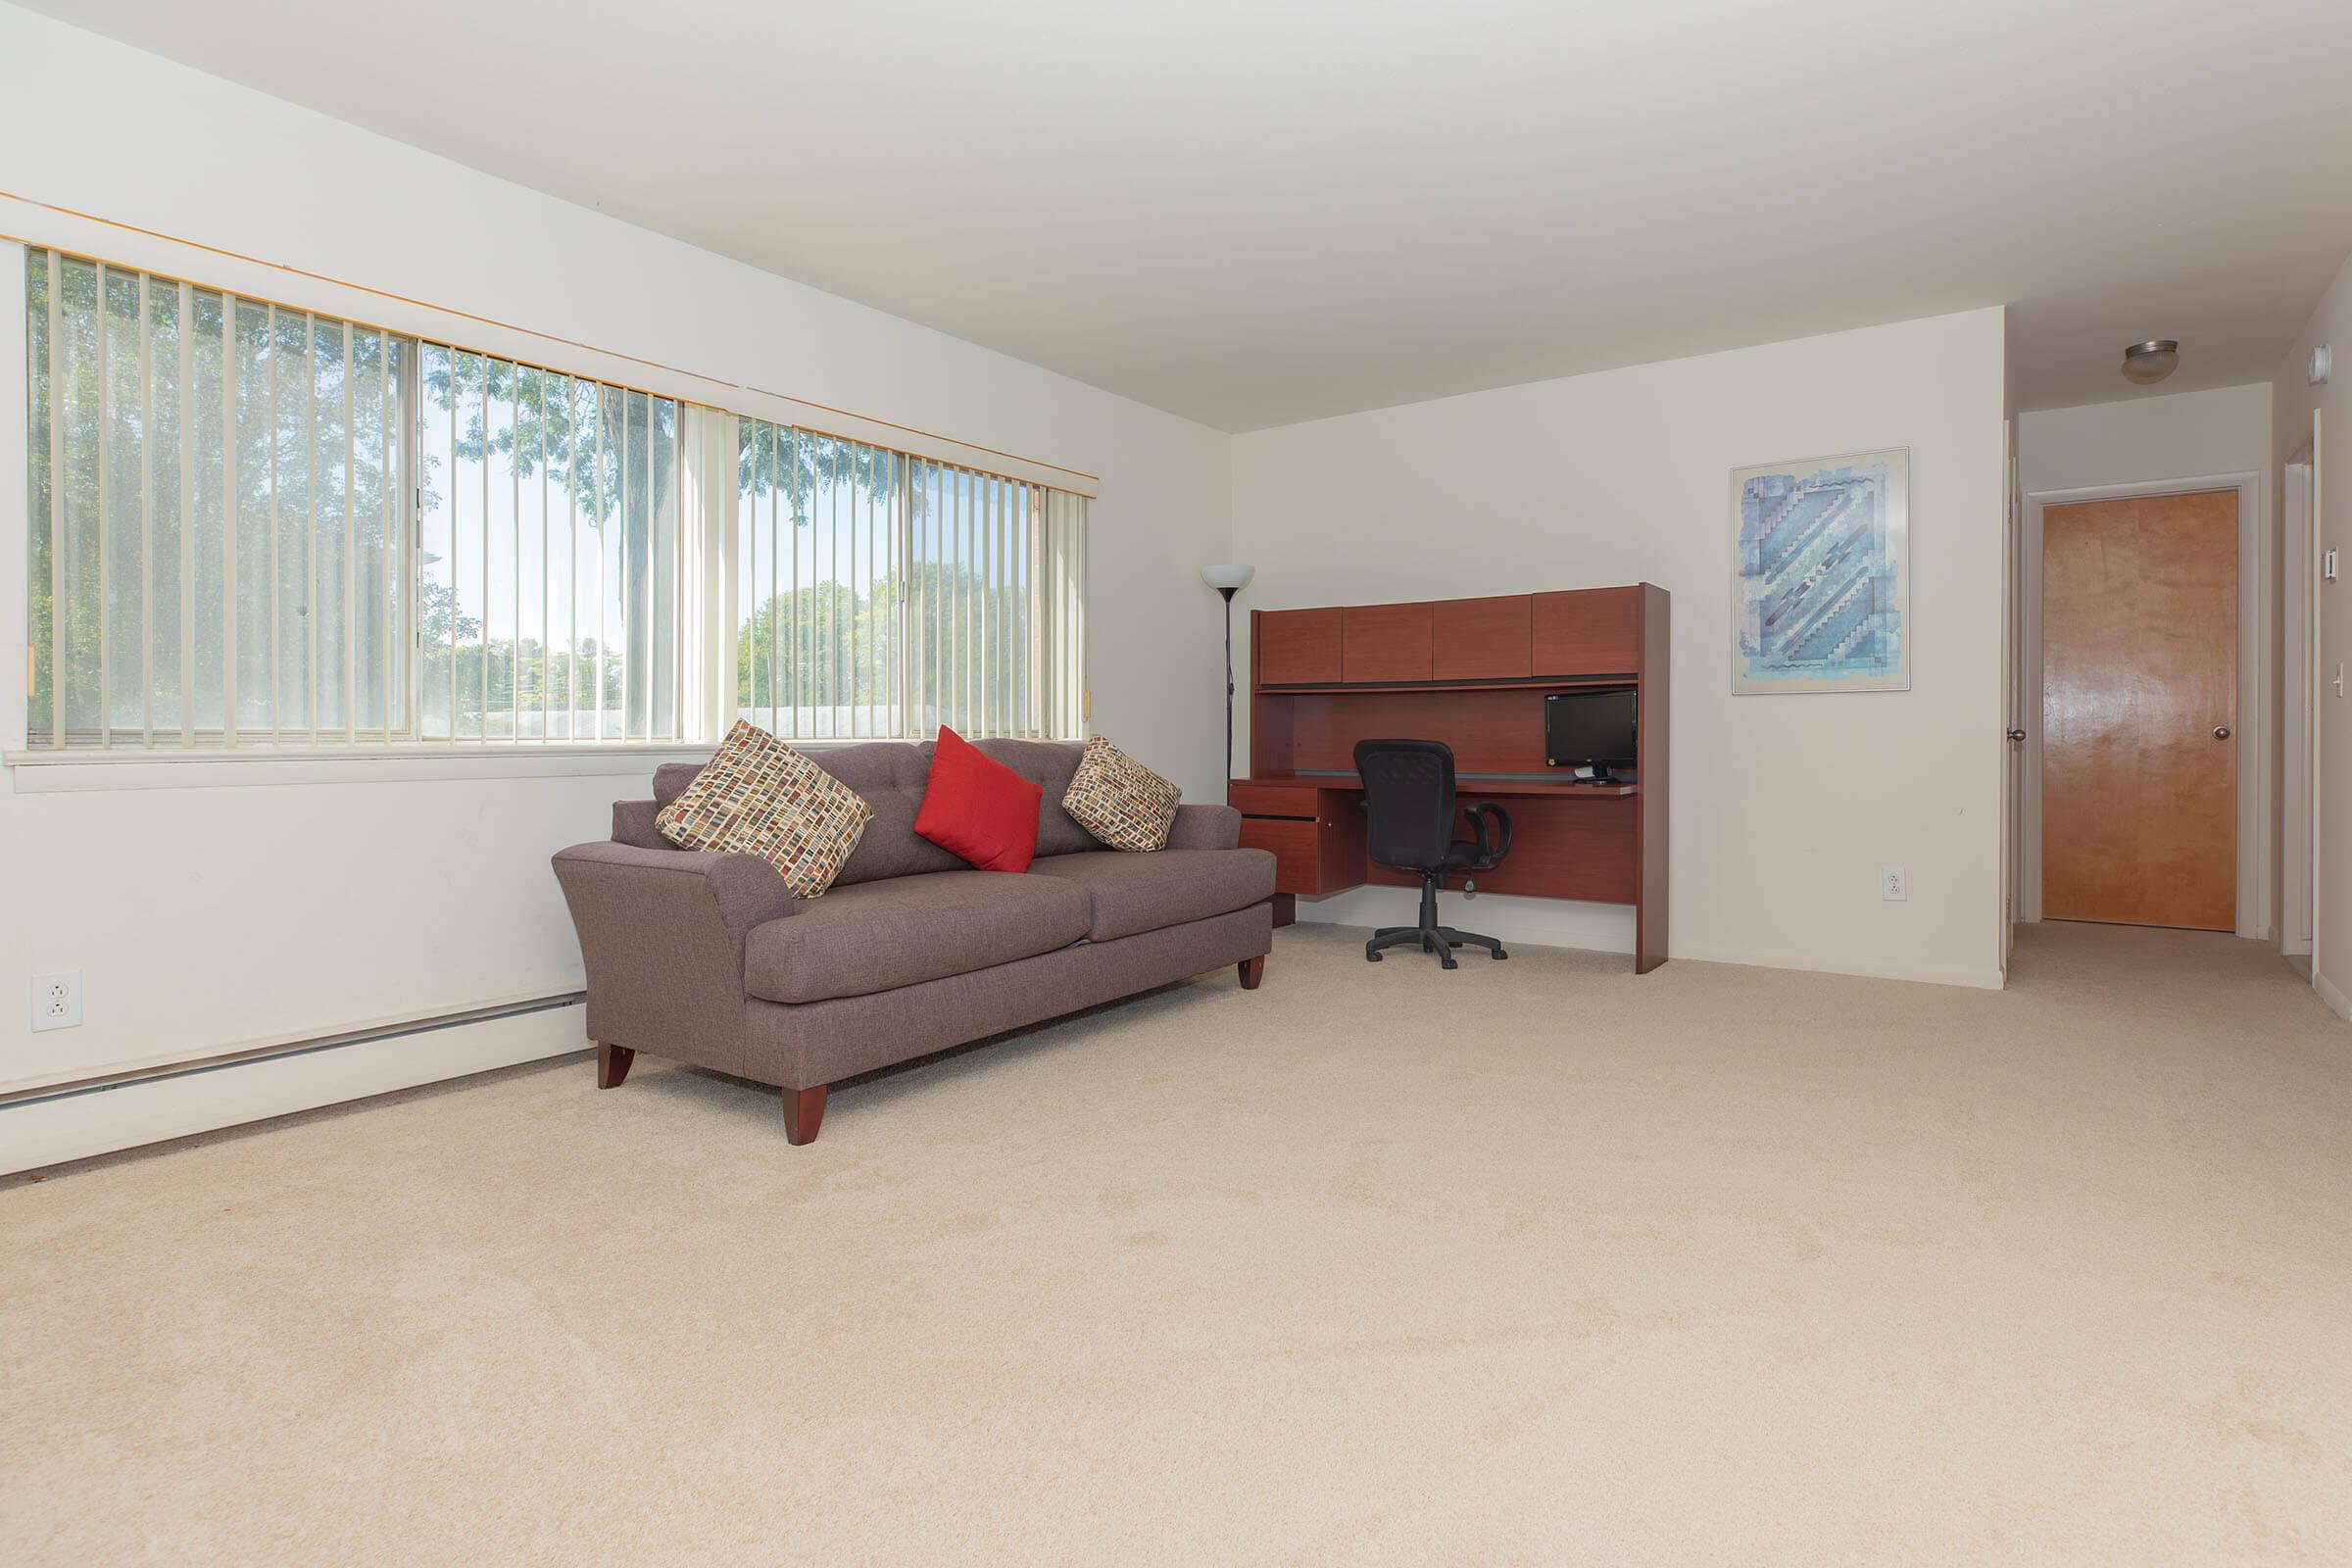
[
  {"x": 1120, "y": 801},
  {"x": 758, "y": 796}
]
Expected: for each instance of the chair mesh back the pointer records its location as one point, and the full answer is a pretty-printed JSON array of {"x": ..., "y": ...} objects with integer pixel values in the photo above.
[{"x": 1408, "y": 797}]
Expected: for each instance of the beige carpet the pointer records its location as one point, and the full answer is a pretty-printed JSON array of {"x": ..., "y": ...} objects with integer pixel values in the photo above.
[{"x": 1531, "y": 1263}]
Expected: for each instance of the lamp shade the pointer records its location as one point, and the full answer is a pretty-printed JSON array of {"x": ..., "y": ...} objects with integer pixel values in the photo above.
[{"x": 1228, "y": 577}]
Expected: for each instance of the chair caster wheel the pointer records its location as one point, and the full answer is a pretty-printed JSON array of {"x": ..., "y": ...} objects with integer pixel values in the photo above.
[
  {"x": 1500, "y": 955},
  {"x": 1451, "y": 965},
  {"x": 1371, "y": 958}
]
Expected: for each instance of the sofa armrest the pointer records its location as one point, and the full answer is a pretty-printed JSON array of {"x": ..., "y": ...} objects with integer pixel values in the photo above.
[
  {"x": 1205, "y": 827},
  {"x": 661, "y": 934},
  {"x": 742, "y": 890}
]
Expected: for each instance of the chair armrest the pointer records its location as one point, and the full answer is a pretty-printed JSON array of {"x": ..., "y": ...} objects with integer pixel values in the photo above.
[
  {"x": 1490, "y": 854},
  {"x": 1205, "y": 827},
  {"x": 661, "y": 934}
]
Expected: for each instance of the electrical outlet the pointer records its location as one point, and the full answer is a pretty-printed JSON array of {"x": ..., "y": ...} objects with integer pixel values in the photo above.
[
  {"x": 57, "y": 1001},
  {"x": 1891, "y": 884}
]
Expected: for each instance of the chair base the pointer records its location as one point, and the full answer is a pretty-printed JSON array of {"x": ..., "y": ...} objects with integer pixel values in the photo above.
[{"x": 1429, "y": 936}]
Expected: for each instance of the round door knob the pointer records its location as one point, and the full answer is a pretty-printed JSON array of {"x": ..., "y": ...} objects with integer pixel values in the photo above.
[
  {"x": 2017, "y": 737},
  {"x": 2221, "y": 732}
]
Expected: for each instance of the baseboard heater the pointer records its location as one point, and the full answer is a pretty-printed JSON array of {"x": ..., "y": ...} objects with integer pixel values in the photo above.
[{"x": 286, "y": 1049}]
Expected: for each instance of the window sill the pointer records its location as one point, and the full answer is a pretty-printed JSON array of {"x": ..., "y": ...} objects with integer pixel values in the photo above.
[{"x": 42, "y": 772}]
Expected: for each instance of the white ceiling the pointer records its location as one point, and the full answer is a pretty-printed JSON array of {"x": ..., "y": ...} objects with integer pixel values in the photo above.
[{"x": 1263, "y": 212}]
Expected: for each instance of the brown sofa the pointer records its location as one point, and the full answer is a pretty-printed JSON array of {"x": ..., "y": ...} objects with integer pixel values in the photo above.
[{"x": 710, "y": 959}]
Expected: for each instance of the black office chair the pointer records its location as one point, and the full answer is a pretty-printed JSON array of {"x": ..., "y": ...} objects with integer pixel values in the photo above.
[{"x": 1408, "y": 797}]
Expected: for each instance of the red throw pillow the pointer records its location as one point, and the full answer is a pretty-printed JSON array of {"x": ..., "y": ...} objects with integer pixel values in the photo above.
[{"x": 977, "y": 808}]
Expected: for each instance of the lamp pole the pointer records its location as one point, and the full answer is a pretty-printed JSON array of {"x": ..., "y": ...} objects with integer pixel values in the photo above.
[
  {"x": 1228, "y": 578},
  {"x": 1229, "y": 593}
]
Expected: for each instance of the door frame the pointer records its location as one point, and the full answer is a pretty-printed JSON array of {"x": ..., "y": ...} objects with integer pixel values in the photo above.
[
  {"x": 2012, "y": 599},
  {"x": 2255, "y": 679},
  {"x": 2299, "y": 700}
]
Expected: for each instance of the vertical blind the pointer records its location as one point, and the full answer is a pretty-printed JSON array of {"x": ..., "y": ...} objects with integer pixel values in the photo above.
[
  {"x": 1062, "y": 639},
  {"x": 216, "y": 516},
  {"x": 252, "y": 524},
  {"x": 879, "y": 594},
  {"x": 551, "y": 512}
]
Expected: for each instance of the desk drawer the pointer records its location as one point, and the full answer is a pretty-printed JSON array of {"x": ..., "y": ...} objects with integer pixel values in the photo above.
[
  {"x": 1310, "y": 858},
  {"x": 1297, "y": 849},
  {"x": 1273, "y": 800}
]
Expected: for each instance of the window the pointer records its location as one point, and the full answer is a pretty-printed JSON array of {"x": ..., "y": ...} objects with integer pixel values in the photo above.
[
  {"x": 885, "y": 595},
  {"x": 217, "y": 525},
  {"x": 550, "y": 519},
  {"x": 255, "y": 526}
]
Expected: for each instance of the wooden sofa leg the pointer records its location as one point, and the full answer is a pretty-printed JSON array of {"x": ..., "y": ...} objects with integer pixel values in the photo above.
[
  {"x": 612, "y": 1064},
  {"x": 1252, "y": 972},
  {"x": 804, "y": 1113}
]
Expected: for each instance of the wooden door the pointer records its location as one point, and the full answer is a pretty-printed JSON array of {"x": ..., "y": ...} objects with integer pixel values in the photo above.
[{"x": 2139, "y": 711}]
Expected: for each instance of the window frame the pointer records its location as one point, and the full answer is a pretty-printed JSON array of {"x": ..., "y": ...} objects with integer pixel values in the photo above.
[
  {"x": 396, "y": 735},
  {"x": 1005, "y": 529},
  {"x": 120, "y": 756}
]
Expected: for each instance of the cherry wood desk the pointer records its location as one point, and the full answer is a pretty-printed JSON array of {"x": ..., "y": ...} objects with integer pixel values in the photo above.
[{"x": 1472, "y": 673}]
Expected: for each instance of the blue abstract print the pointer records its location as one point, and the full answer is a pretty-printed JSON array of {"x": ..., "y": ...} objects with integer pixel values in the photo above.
[{"x": 1823, "y": 583}]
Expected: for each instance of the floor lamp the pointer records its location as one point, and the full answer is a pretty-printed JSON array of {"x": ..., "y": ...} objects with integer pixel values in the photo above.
[{"x": 1228, "y": 579}]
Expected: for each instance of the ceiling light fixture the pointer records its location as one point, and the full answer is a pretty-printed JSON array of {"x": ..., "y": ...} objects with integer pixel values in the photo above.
[{"x": 2149, "y": 362}]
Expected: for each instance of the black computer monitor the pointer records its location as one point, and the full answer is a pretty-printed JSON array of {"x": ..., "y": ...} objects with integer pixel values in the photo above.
[{"x": 1589, "y": 729}]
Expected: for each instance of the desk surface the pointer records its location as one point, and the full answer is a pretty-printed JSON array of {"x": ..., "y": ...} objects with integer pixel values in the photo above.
[
  {"x": 1466, "y": 786},
  {"x": 1475, "y": 673}
]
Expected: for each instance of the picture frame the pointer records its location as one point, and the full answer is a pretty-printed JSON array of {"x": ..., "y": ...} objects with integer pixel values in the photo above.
[{"x": 1821, "y": 574}]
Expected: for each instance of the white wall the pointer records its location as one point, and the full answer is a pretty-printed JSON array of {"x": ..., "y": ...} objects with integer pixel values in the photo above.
[
  {"x": 2137, "y": 439},
  {"x": 1155, "y": 656},
  {"x": 2222, "y": 434},
  {"x": 2292, "y": 403},
  {"x": 1785, "y": 807},
  {"x": 207, "y": 919}
]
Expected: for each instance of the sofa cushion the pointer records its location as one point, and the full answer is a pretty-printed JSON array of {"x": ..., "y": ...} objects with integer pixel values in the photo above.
[
  {"x": 758, "y": 796},
  {"x": 891, "y": 776},
  {"x": 888, "y": 776},
  {"x": 670, "y": 780},
  {"x": 977, "y": 808},
  {"x": 1050, "y": 765},
  {"x": 1120, "y": 801},
  {"x": 879, "y": 936},
  {"x": 1137, "y": 893}
]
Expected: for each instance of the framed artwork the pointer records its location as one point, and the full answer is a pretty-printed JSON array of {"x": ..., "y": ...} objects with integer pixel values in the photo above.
[{"x": 1821, "y": 574}]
